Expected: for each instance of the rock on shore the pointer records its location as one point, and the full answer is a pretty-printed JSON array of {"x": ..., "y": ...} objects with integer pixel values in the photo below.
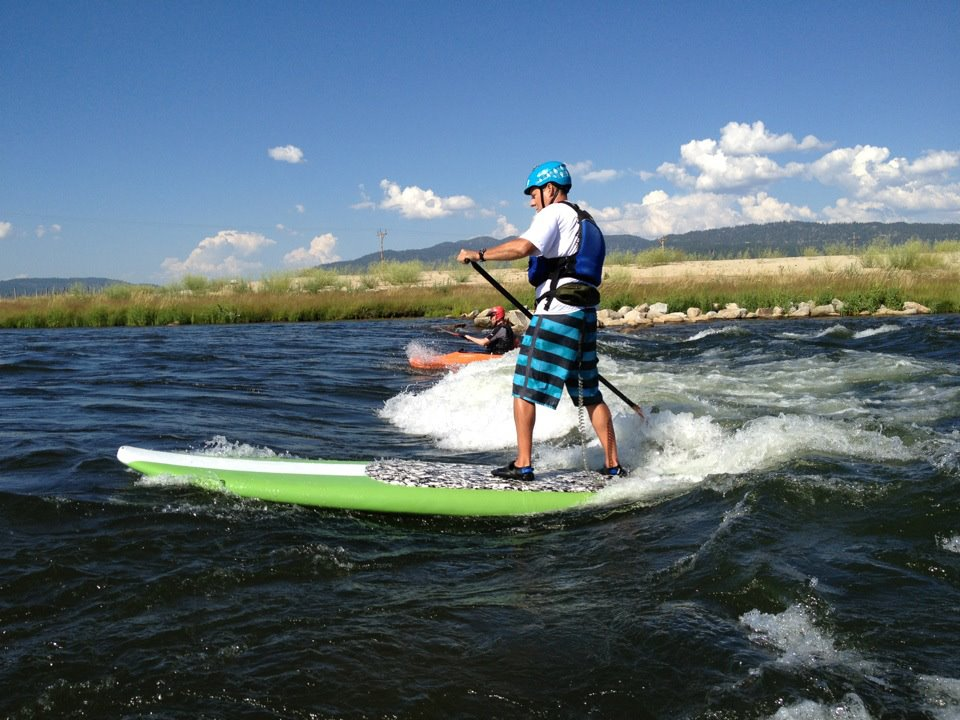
[
  {"x": 659, "y": 313},
  {"x": 646, "y": 315}
]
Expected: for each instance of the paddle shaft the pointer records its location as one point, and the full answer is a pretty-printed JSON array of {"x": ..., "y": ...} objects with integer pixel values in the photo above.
[{"x": 523, "y": 308}]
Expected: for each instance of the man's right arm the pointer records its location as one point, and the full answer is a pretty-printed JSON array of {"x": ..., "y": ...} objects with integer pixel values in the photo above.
[{"x": 509, "y": 250}]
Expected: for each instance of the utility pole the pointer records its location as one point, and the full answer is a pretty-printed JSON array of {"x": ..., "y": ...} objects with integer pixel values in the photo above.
[{"x": 381, "y": 234}]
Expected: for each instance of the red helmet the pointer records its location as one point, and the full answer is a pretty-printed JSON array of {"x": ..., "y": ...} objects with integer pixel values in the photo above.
[{"x": 497, "y": 313}]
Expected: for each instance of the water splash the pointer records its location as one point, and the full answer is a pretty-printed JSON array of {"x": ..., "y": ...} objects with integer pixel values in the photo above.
[
  {"x": 417, "y": 350},
  {"x": 794, "y": 634}
]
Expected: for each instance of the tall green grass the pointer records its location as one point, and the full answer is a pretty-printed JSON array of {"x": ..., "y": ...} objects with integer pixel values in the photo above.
[
  {"x": 145, "y": 307},
  {"x": 397, "y": 273}
]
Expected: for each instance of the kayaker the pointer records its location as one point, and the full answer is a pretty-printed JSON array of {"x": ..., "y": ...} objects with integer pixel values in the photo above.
[
  {"x": 501, "y": 338},
  {"x": 559, "y": 347}
]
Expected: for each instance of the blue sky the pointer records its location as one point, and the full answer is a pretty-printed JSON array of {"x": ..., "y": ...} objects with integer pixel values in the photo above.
[{"x": 145, "y": 141}]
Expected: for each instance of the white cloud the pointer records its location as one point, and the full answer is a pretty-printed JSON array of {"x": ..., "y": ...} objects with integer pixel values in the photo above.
[
  {"x": 415, "y": 203},
  {"x": 225, "y": 254},
  {"x": 42, "y": 230},
  {"x": 504, "y": 228},
  {"x": 365, "y": 202},
  {"x": 935, "y": 162},
  {"x": 601, "y": 175},
  {"x": 742, "y": 139},
  {"x": 879, "y": 185},
  {"x": 865, "y": 169},
  {"x": 738, "y": 160},
  {"x": 660, "y": 214},
  {"x": 717, "y": 171},
  {"x": 889, "y": 188},
  {"x": 917, "y": 196},
  {"x": 5, "y": 229},
  {"x": 300, "y": 208},
  {"x": 860, "y": 169},
  {"x": 745, "y": 174},
  {"x": 287, "y": 153},
  {"x": 847, "y": 210},
  {"x": 584, "y": 172},
  {"x": 761, "y": 208},
  {"x": 322, "y": 250}
]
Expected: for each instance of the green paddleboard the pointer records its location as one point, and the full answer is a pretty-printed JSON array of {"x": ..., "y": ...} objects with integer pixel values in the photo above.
[{"x": 396, "y": 486}]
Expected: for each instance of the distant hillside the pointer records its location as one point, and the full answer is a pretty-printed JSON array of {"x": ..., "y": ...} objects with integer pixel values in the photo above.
[
  {"x": 442, "y": 253},
  {"x": 49, "y": 286},
  {"x": 783, "y": 238}
]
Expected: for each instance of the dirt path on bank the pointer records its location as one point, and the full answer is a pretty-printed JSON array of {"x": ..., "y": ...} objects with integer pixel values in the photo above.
[
  {"x": 690, "y": 269},
  {"x": 749, "y": 267}
]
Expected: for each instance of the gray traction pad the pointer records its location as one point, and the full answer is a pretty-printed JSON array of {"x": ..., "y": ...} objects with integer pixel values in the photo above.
[{"x": 462, "y": 476}]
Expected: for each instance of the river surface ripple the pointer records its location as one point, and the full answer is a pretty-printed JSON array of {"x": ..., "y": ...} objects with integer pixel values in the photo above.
[{"x": 786, "y": 546}]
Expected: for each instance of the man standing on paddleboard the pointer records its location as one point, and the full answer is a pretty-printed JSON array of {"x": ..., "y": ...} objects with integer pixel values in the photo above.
[{"x": 559, "y": 347}]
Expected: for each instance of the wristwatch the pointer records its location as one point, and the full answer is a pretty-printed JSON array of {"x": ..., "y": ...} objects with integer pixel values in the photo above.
[{"x": 480, "y": 254}]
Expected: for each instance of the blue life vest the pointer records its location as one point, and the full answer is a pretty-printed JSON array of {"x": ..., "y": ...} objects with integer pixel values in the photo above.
[{"x": 585, "y": 263}]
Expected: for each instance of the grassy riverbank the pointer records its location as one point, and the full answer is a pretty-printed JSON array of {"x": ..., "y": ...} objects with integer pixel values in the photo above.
[{"x": 926, "y": 275}]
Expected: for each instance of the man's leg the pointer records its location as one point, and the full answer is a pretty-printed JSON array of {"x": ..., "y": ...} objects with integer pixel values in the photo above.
[
  {"x": 603, "y": 425},
  {"x": 524, "y": 418}
]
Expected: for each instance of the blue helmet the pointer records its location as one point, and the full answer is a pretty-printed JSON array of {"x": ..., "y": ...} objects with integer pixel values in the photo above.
[{"x": 549, "y": 172}]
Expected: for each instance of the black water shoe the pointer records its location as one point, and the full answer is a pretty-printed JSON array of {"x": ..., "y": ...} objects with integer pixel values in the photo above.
[
  {"x": 615, "y": 471},
  {"x": 512, "y": 472}
]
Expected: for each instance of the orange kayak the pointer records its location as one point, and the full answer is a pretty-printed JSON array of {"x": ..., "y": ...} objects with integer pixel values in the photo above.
[{"x": 450, "y": 360}]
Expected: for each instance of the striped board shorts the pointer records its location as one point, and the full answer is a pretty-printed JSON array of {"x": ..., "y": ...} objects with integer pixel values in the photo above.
[{"x": 558, "y": 351}]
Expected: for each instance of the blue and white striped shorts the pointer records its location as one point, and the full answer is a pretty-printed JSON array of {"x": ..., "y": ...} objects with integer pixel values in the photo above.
[{"x": 558, "y": 351}]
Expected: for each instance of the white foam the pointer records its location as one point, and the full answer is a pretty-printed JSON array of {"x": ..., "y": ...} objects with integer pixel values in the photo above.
[
  {"x": 942, "y": 696},
  {"x": 714, "y": 418},
  {"x": 472, "y": 409},
  {"x": 683, "y": 445},
  {"x": 794, "y": 634},
  {"x": 163, "y": 481},
  {"x": 950, "y": 544},
  {"x": 837, "y": 331},
  {"x": 717, "y": 330},
  {"x": 669, "y": 450},
  {"x": 841, "y": 331},
  {"x": 219, "y": 446},
  {"x": 944, "y": 451},
  {"x": 881, "y": 330},
  {"x": 850, "y": 708},
  {"x": 800, "y": 642}
]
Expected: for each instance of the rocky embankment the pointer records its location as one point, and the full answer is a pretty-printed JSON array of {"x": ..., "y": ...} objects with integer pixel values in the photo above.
[{"x": 659, "y": 314}]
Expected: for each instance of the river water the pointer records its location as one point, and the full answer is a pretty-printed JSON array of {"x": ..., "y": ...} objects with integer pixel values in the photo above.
[{"x": 786, "y": 546}]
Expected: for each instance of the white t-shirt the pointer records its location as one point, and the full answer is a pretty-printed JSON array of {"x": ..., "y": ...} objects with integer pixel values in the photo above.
[{"x": 554, "y": 233}]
